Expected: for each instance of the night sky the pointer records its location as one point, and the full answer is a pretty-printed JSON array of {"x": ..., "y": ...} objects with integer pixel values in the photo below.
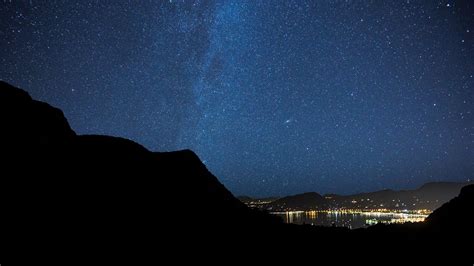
[{"x": 276, "y": 97}]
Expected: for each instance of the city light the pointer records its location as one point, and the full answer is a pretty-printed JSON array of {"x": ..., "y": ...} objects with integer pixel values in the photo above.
[{"x": 353, "y": 218}]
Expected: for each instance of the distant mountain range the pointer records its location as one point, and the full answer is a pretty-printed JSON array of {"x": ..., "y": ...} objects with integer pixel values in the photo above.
[{"x": 429, "y": 196}]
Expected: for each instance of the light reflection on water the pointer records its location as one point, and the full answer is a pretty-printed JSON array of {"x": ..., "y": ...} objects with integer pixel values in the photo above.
[{"x": 348, "y": 219}]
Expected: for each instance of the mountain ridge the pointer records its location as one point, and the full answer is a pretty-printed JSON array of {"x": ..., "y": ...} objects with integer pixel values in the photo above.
[
  {"x": 107, "y": 198},
  {"x": 428, "y": 196},
  {"x": 49, "y": 161}
]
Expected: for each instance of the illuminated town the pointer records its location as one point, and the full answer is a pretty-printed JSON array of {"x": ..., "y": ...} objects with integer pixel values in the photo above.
[
  {"x": 343, "y": 216},
  {"x": 359, "y": 210},
  {"x": 353, "y": 218},
  {"x": 356, "y": 211}
]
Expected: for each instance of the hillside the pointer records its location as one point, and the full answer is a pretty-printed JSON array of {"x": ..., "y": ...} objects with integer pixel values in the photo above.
[{"x": 52, "y": 174}]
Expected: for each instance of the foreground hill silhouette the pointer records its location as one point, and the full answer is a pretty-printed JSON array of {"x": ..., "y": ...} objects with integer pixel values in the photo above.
[
  {"x": 60, "y": 184},
  {"x": 110, "y": 197},
  {"x": 460, "y": 207},
  {"x": 39, "y": 139}
]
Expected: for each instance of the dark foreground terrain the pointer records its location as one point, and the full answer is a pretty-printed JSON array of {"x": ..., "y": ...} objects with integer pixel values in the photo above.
[{"x": 101, "y": 198}]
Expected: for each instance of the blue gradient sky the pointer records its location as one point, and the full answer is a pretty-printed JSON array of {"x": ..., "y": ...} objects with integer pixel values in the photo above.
[{"x": 276, "y": 97}]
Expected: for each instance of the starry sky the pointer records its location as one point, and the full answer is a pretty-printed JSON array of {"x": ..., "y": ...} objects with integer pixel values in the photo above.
[{"x": 276, "y": 97}]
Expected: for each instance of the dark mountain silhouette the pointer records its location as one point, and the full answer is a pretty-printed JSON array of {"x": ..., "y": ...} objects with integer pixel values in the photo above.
[
  {"x": 305, "y": 201},
  {"x": 34, "y": 133},
  {"x": 70, "y": 188},
  {"x": 429, "y": 196},
  {"x": 107, "y": 198},
  {"x": 460, "y": 207},
  {"x": 447, "y": 233}
]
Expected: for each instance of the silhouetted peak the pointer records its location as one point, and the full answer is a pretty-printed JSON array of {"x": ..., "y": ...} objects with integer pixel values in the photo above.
[
  {"x": 118, "y": 176},
  {"x": 306, "y": 195},
  {"x": 109, "y": 147},
  {"x": 311, "y": 195},
  {"x": 455, "y": 215},
  {"x": 304, "y": 201},
  {"x": 467, "y": 192},
  {"x": 11, "y": 93},
  {"x": 30, "y": 125},
  {"x": 438, "y": 185},
  {"x": 382, "y": 192}
]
